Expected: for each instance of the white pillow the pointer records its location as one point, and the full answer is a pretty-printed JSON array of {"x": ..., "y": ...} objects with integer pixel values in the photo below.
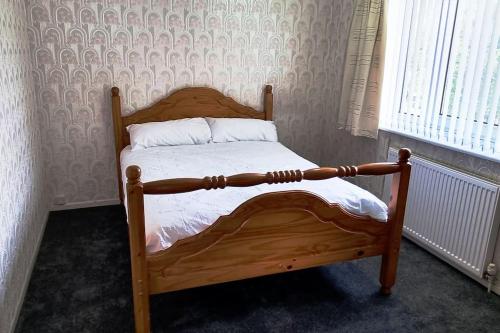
[
  {"x": 191, "y": 131},
  {"x": 242, "y": 129}
]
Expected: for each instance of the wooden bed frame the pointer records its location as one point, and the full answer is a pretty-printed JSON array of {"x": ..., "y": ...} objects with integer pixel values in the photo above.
[{"x": 271, "y": 233}]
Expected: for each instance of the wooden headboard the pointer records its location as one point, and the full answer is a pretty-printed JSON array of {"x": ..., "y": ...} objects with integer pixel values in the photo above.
[{"x": 184, "y": 103}]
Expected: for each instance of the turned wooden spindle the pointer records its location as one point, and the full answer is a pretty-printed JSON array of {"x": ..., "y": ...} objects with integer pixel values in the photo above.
[
  {"x": 180, "y": 185},
  {"x": 347, "y": 171},
  {"x": 213, "y": 183},
  {"x": 287, "y": 176}
]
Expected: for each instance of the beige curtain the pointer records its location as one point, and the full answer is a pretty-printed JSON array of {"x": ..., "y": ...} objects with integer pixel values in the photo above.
[{"x": 362, "y": 82}]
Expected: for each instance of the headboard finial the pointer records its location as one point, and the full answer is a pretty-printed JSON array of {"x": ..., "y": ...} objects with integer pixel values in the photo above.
[{"x": 115, "y": 91}]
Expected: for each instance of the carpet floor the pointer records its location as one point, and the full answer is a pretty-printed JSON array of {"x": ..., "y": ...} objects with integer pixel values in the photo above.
[{"x": 81, "y": 283}]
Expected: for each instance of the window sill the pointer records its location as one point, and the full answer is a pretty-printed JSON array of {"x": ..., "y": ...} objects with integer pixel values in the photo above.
[{"x": 495, "y": 159}]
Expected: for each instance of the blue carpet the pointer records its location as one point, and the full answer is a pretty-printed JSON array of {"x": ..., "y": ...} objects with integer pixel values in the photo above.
[{"x": 81, "y": 283}]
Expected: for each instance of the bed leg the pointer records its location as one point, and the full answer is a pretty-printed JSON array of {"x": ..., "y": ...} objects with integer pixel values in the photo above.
[
  {"x": 397, "y": 205},
  {"x": 141, "y": 308},
  {"x": 137, "y": 240},
  {"x": 388, "y": 271}
]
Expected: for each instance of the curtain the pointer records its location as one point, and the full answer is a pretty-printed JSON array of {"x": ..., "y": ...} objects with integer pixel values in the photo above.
[{"x": 362, "y": 81}]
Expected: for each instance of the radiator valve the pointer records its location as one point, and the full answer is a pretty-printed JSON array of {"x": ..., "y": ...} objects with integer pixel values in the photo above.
[{"x": 491, "y": 272}]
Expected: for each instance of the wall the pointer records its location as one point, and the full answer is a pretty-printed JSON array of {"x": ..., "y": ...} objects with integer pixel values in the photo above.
[
  {"x": 150, "y": 48},
  {"x": 23, "y": 208}
]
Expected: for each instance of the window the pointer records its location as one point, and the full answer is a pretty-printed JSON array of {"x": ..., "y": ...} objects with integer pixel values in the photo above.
[{"x": 442, "y": 71}]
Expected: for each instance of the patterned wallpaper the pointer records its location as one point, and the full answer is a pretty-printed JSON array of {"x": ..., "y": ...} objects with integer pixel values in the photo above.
[
  {"x": 149, "y": 48},
  {"x": 23, "y": 208}
]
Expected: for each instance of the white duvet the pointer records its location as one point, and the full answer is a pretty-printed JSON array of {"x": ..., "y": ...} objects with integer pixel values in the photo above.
[{"x": 177, "y": 216}]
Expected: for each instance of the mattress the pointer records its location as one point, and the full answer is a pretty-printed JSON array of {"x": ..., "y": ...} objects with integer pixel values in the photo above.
[{"x": 171, "y": 217}]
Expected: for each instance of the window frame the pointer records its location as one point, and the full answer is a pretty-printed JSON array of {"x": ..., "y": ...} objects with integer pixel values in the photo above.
[{"x": 393, "y": 93}]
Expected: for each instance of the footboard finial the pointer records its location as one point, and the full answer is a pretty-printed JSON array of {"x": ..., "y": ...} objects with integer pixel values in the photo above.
[
  {"x": 133, "y": 173},
  {"x": 404, "y": 155}
]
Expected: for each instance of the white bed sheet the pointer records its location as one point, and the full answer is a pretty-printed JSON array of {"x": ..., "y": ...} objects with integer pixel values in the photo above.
[{"x": 177, "y": 216}]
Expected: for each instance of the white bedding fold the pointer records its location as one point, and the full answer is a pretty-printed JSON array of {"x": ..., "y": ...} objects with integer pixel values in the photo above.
[{"x": 177, "y": 216}]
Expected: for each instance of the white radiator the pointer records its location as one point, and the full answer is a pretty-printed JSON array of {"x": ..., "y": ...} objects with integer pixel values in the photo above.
[{"x": 452, "y": 214}]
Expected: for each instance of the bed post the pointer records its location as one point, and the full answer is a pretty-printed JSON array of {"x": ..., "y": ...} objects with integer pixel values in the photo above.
[
  {"x": 397, "y": 204},
  {"x": 117, "y": 126},
  {"x": 268, "y": 102},
  {"x": 137, "y": 240}
]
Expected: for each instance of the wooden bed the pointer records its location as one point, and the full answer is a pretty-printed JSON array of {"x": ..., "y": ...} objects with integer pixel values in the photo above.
[{"x": 271, "y": 233}]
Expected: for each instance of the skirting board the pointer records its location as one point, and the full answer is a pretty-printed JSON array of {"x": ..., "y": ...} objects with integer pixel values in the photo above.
[
  {"x": 27, "y": 277},
  {"x": 86, "y": 204},
  {"x": 496, "y": 287}
]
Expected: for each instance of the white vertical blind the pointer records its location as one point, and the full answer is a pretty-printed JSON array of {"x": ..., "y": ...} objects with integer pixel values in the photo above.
[{"x": 441, "y": 73}]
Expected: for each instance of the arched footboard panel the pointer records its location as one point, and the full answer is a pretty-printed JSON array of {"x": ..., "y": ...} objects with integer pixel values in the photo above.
[{"x": 301, "y": 230}]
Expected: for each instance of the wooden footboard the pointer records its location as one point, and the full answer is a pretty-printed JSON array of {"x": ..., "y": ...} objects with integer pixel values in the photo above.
[{"x": 271, "y": 233}]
